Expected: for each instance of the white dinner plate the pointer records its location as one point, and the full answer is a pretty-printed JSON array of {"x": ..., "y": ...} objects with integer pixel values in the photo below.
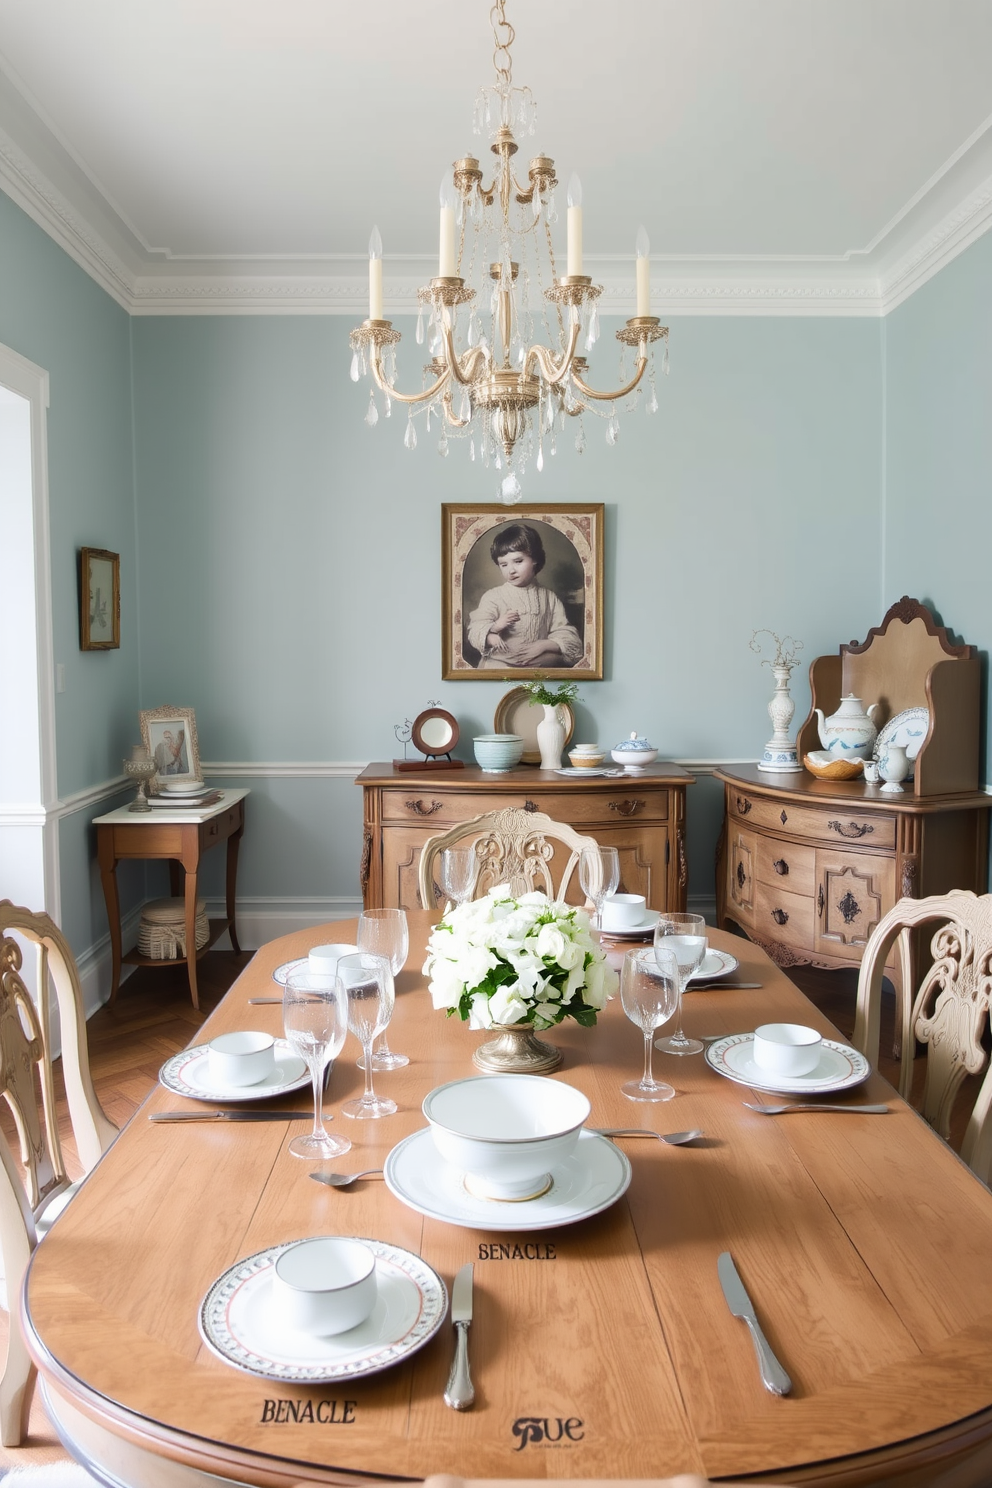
[
  {"x": 242, "y": 1323},
  {"x": 635, "y": 932},
  {"x": 175, "y": 802},
  {"x": 592, "y": 1179},
  {"x": 283, "y": 973},
  {"x": 183, "y": 787},
  {"x": 188, "y": 1073},
  {"x": 840, "y": 1067},
  {"x": 715, "y": 964},
  {"x": 590, "y": 770}
]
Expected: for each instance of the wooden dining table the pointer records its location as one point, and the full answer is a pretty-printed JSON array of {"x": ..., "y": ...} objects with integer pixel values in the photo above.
[{"x": 604, "y": 1349}]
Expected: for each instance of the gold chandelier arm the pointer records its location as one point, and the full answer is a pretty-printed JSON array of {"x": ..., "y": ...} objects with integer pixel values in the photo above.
[
  {"x": 589, "y": 392},
  {"x": 552, "y": 373},
  {"x": 424, "y": 397},
  {"x": 450, "y": 416},
  {"x": 465, "y": 370}
]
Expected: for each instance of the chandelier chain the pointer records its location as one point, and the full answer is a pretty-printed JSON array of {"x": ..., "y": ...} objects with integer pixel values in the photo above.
[{"x": 504, "y": 36}]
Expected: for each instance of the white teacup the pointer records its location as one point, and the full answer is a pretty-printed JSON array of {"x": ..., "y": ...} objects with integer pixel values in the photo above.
[
  {"x": 242, "y": 1058},
  {"x": 787, "y": 1048},
  {"x": 325, "y": 1285},
  {"x": 623, "y": 911},
  {"x": 871, "y": 772},
  {"x": 322, "y": 962}
]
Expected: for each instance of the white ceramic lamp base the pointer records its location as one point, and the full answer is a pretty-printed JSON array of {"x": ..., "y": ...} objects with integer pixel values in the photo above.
[{"x": 780, "y": 754}]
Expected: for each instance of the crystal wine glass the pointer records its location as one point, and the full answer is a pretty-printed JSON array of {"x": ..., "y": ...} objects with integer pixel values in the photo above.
[
  {"x": 368, "y": 987},
  {"x": 315, "y": 1020},
  {"x": 386, "y": 933},
  {"x": 685, "y": 934},
  {"x": 599, "y": 875},
  {"x": 458, "y": 870},
  {"x": 649, "y": 991}
]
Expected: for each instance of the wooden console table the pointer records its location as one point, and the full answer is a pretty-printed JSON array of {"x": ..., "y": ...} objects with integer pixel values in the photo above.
[
  {"x": 182, "y": 835},
  {"x": 643, "y": 815}
]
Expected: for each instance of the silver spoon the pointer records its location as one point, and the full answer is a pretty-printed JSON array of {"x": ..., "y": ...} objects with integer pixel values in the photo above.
[
  {"x": 813, "y": 1106},
  {"x": 674, "y": 1139},
  {"x": 343, "y": 1180}
]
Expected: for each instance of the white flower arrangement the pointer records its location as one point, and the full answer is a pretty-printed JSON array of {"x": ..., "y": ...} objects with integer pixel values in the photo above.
[{"x": 501, "y": 960}]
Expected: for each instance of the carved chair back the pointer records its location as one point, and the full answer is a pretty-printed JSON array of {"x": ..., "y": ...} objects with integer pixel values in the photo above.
[
  {"x": 948, "y": 1014},
  {"x": 512, "y": 846},
  {"x": 27, "y": 1085}
]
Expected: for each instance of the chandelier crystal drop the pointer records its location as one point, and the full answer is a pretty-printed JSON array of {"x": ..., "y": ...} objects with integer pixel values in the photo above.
[{"x": 506, "y": 334}]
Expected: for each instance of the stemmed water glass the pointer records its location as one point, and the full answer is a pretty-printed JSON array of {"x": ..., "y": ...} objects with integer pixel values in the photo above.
[
  {"x": 649, "y": 991},
  {"x": 685, "y": 935},
  {"x": 386, "y": 933},
  {"x": 458, "y": 871},
  {"x": 368, "y": 988},
  {"x": 315, "y": 1021},
  {"x": 599, "y": 875}
]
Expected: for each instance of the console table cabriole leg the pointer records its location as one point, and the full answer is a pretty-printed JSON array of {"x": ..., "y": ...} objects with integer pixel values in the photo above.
[
  {"x": 108, "y": 877},
  {"x": 191, "y": 863},
  {"x": 233, "y": 843}
]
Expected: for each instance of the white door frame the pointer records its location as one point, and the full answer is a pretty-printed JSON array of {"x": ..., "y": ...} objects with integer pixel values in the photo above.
[{"x": 29, "y": 818}]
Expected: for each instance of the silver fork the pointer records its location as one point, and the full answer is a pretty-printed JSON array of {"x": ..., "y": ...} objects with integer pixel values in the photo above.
[
  {"x": 813, "y": 1106},
  {"x": 674, "y": 1139}
]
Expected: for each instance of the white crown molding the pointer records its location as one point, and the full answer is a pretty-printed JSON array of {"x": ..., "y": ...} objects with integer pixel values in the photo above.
[{"x": 956, "y": 232}]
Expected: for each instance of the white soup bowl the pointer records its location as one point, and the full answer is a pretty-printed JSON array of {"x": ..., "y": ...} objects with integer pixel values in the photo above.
[
  {"x": 325, "y": 1285},
  {"x": 787, "y": 1048},
  {"x": 506, "y": 1132},
  {"x": 241, "y": 1058},
  {"x": 623, "y": 911}
]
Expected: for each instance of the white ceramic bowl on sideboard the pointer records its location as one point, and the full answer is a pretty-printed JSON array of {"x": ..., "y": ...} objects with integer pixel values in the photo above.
[{"x": 505, "y": 1132}]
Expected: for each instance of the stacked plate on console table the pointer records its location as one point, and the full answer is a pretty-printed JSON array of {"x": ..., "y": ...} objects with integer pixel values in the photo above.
[
  {"x": 507, "y": 1152},
  {"x": 184, "y": 793}
]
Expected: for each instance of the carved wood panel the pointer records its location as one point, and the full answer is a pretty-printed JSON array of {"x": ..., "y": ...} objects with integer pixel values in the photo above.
[
  {"x": 857, "y": 891},
  {"x": 742, "y": 858}
]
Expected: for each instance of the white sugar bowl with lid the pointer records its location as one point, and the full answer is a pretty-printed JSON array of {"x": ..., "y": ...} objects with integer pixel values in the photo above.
[{"x": 634, "y": 753}]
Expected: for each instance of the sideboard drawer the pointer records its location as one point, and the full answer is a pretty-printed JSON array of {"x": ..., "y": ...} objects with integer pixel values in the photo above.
[
  {"x": 831, "y": 824},
  {"x": 445, "y": 808},
  {"x": 782, "y": 916},
  {"x": 785, "y": 866}
]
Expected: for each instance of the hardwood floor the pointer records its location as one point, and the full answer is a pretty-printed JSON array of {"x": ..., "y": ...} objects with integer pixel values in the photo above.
[{"x": 153, "y": 1018}]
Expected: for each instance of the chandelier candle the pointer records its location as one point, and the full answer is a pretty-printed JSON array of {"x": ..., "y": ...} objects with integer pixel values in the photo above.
[
  {"x": 502, "y": 324},
  {"x": 643, "y": 249},
  {"x": 375, "y": 275}
]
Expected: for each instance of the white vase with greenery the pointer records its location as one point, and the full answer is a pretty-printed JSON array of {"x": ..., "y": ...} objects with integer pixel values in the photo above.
[{"x": 552, "y": 730}]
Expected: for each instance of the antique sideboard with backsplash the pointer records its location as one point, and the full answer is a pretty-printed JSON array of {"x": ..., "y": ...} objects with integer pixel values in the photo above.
[
  {"x": 642, "y": 814},
  {"x": 806, "y": 866}
]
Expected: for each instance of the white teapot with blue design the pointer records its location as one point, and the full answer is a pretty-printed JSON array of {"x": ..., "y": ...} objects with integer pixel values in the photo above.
[{"x": 849, "y": 733}]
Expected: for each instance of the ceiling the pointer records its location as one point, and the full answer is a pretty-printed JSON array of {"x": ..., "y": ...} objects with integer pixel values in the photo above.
[{"x": 804, "y": 156}]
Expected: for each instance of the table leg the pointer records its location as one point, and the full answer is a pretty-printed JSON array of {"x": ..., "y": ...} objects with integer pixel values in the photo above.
[
  {"x": 108, "y": 877},
  {"x": 191, "y": 880},
  {"x": 175, "y": 879},
  {"x": 233, "y": 843}
]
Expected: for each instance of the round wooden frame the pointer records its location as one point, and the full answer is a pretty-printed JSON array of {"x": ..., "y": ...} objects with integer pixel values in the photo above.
[{"x": 417, "y": 732}]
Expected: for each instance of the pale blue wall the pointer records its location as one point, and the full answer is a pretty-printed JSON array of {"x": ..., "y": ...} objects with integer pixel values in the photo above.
[
  {"x": 939, "y": 447},
  {"x": 290, "y": 585},
  {"x": 54, "y": 314}
]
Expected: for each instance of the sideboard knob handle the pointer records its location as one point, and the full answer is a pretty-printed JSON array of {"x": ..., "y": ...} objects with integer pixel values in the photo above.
[
  {"x": 781, "y": 867},
  {"x": 780, "y": 916}
]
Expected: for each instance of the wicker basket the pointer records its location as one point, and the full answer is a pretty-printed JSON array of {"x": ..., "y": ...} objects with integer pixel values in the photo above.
[{"x": 162, "y": 932}]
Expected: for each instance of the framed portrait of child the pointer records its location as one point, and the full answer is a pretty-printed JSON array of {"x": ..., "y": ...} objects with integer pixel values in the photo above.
[{"x": 522, "y": 592}]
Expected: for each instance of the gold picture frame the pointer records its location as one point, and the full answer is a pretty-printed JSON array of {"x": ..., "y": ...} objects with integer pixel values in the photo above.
[
  {"x": 169, "y": 735},
  {"x": 99, "y": 600},
  {"x": 564, "y": 609}
]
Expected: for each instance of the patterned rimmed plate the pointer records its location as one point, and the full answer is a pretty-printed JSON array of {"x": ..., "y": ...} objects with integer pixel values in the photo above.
[
  {"x": 593, "y": 1178},
  {"x": 188, "y": 1073},
  {"x": 840, "y": 1068},
  {"x": 516, "y": 714},
  {"x": 906, "y": 731},
  {"x": 283, "y": 973},
  {"x": 242, "y": 1324},
  {"x": 714, "y": 964}
]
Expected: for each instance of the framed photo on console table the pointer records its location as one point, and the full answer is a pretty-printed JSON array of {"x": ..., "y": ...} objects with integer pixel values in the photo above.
[
  {"x": 522, "y": 592},
  {"x": 99, "y": 600},
  {"x": 169, "y": 735}
]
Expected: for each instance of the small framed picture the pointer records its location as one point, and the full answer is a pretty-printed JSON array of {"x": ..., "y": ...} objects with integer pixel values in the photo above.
[
  {"x": 522, "y": 592},
  {"x": 169, "y": 735},
  {"x": 99, "y": 600}
]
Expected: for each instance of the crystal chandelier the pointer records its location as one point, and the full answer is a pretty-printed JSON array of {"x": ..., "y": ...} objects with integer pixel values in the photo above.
[{"x": 520, "y": 375}]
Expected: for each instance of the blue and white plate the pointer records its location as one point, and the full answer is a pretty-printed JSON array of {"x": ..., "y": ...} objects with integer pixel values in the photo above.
[{"x": 906, "y": 731}]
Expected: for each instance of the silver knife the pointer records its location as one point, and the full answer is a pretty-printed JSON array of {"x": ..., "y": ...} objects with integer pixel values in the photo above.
[
  {"x": 229, "y": 1116},
  {"x": 460, "y": 1392},
  {"x": 773, "y": 1376}
]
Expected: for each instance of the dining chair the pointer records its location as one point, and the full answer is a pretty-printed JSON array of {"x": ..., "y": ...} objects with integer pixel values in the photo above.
[
  {"x": 512, "y": 846},
  {"x": 29, "y": 1203},
  {"x": 949, "y": 1012}
]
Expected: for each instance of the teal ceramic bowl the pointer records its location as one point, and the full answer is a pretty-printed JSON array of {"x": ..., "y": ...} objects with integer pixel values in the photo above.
[{"x": 496, "y": 753}]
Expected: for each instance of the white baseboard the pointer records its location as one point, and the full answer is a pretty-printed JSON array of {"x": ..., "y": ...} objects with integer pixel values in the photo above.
[{"x": 261, "y": 919}]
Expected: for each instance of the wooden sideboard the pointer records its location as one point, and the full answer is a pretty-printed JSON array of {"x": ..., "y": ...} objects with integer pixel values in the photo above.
[
  {"x": 643, "y": 815},
  {"x": 808, "y": 867}
]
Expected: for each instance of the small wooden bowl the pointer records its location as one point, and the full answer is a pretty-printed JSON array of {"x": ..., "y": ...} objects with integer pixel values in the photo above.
[{"x": 833, "y": 769}]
